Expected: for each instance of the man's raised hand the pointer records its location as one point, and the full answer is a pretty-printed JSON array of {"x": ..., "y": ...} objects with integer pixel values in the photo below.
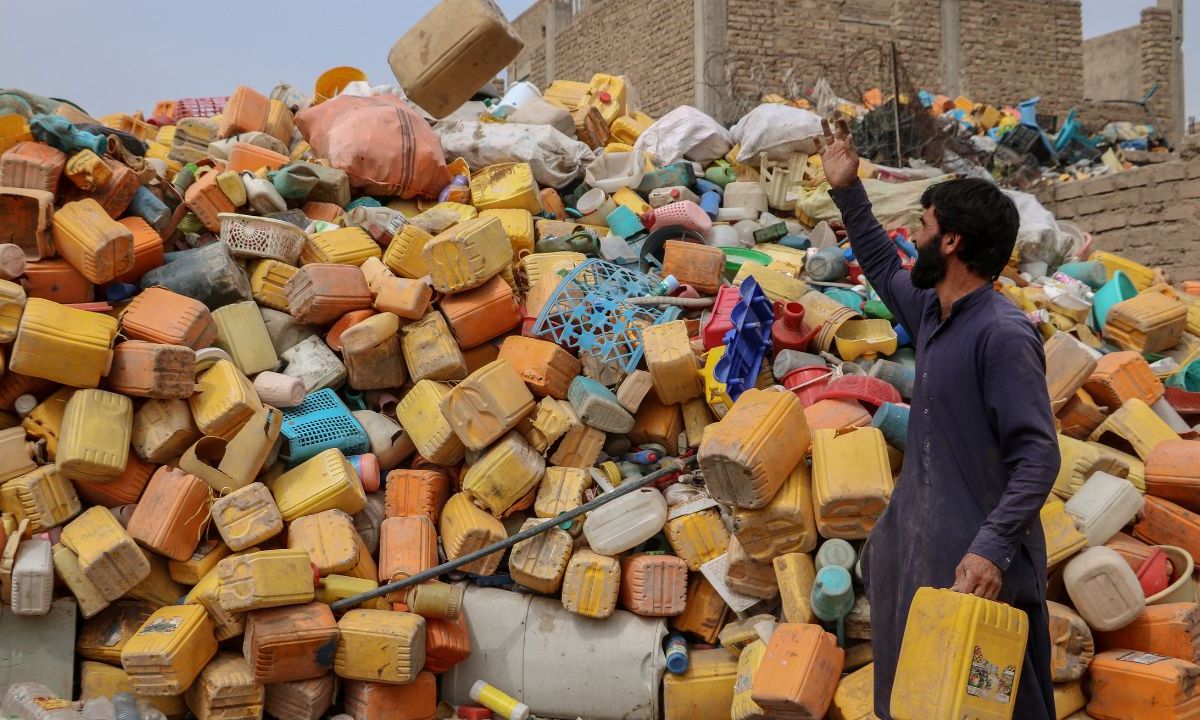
[{"x": 838, "y": 155}]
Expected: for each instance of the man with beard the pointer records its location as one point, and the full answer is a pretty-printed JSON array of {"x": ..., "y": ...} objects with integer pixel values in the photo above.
[{"x": 982, "y": 453}]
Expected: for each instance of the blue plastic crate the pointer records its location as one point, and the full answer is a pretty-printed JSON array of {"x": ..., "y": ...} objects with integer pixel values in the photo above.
[
  {"x": 319, "y": 423},
  {"x": 746, "y": 344},
  {"x": 588, "y": 313}
]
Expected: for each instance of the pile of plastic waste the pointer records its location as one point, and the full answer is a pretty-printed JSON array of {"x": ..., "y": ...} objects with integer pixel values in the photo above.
[{"x": 312, "y": 405}]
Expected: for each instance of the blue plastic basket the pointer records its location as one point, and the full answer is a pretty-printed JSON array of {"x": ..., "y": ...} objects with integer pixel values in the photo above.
[
  {"x": 319, "y": 423},
  {"x": 747, "y": 342},
  {"x": 587, "y": 313}
]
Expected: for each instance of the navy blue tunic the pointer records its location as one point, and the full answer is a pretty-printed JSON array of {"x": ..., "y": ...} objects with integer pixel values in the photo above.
[{"x": 982, "y": 456}]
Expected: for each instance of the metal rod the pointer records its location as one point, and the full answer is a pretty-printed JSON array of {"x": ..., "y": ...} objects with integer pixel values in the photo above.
[{"x": 623, "y": 489}]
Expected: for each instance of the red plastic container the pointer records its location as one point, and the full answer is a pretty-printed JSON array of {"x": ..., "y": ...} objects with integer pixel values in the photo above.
[
  {"x": 712, "y": 333},
  {"x": 1155, "y": 573},
  {"x": 789, "y": 332},
  {"x": 808, "y": 383},
  {"x": 863, "y": 388}
]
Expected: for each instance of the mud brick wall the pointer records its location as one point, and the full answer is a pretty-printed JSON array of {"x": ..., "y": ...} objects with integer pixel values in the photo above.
[{"x": 1150, "y": 214}]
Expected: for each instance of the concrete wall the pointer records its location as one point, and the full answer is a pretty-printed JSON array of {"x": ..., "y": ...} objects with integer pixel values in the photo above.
[
  {"x": 1112, "y": 65},
  {"x": 1150, "y": 214}
]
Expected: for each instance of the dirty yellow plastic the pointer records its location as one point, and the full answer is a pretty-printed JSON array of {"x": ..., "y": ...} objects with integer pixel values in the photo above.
[
  {"x": 242, "y": 333},
  {"x": 550, "y": 420},
  {"x": 430, "y": 350},
  {"x": 854, "y": 698},
  {"x": 978, "y": 647},
  {"x": 224, "y": 400},
  {"x": 561, "y": 490},
  {"x": 489, "y": 403},
  {"x": 704, "y": 690},
  {"x": 1063, "y": 539},
  {"x": 467, "y": 255},
  {"x": 206, "y": 593},
  {"x": 267, "y": 281},
  {"x": 777, "y": 285},
  {"x": 339, "y": 587},
  {"x": 504, "y": 474},
  {"x": 226, "y": 688},
  {"x": 63, "y": 344},
  {"x": 44, "y": 496},
  {"x": 591, "y": 584},
  {"x": 1079, "y": 461},
  {"x": 157, "y": 588},
  {"x": 245, "y": 517},
  {"x": 97, "y": 679},
  {"x": 518, "y": 225},
  {"x": 420, "y": 413},
  {"x": 1137, "y": 424},
  {"x": 108, "y": 556},
  {"x": 96, "y": 430},
  {"x": 552, "y": 266},
  {"x": 45, "y": 420},
  {"x": 671, "y": 362},
  {"x": 170, "y": 649},
  {"x": 465, "y": 528},
  {"x": 380, "y": 646},
  {"x": 852, "y": 481},
  {"x": 1153, "y": 321},
  {"x": 540, "y": 562},
  {"x": 795, "y": 574},
  {"x": 207, "y": 555},
  {"x": 784, "y": 525},
  {"x": 608, "y": 94},
  {"x": 344, "y": 246},
  {"x": 628, "y": 128},
  {"x": 12, "y": 304},
  {"x": 569, "y": 94},
  {"x": 66, "y": 568},
  {"x": 98, "y": 246},
  {"x": 743, "y": 706},
  {"x": 715, "y": 394},
  {"x": 403, "y": 255},
  {"x": 505, "y": 186},
  {"x": 1141, "y": 276},
  {"x": 263, "y": 579},
  {"x": 866, "y": 339},
  {"x": 698, "y": 537},
  {"x": 326, "y": 481}
]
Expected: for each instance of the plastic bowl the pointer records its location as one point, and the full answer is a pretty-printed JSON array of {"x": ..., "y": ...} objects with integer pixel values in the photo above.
[
  {"x": 1183, "y": 589},
  {"x": 331, "y": 82},
  {"x": 736, "y": 257}
]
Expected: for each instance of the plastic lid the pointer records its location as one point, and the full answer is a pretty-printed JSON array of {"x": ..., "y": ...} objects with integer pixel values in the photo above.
[
  {"x": 605, "y": 96},
  {"x": 674, "y": 192},
  {"x": 677, "y": 663},
  {"x": 473, "y": 712}
]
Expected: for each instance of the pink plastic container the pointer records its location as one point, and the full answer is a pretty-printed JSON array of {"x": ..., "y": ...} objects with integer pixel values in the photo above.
[{"x": 684, "y": 213}]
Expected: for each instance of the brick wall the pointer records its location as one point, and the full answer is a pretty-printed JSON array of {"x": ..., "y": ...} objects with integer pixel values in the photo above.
[
  {"x": 784, "y": 46},
  {"x": 1150, "y": 214},
  {"x": 531, "y": 63},
  {"x": 651, "y": 42},
  {"x": 1157, "y": 56},
  {"x": 1015, "y": 49}
]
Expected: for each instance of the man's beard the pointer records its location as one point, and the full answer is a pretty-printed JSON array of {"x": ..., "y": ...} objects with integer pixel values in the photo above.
[{"x": 931, "y": 265}]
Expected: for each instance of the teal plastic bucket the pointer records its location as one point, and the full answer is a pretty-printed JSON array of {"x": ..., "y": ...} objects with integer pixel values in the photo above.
[{"x": 1119, "y": 289}]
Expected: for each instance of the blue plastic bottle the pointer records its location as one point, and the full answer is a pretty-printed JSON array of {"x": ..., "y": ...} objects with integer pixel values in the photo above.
[{"x": 677, "y": 654}]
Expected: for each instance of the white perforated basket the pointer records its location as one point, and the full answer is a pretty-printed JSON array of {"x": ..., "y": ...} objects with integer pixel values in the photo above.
[{"x": 250, "y": 236}]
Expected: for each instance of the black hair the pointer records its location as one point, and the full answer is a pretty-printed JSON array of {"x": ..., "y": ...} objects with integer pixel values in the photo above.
[{"x": 982, "y": 215}]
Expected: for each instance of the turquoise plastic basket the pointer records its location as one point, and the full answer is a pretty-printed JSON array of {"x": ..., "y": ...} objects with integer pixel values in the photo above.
[{"x": 319, "y": 423}]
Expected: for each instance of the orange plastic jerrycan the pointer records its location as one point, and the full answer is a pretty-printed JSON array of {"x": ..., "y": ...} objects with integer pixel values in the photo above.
[
  {"x": 172, "y": 514},
  {"x": 290, "y": 643},
  {"x": 489, "y": 403}
]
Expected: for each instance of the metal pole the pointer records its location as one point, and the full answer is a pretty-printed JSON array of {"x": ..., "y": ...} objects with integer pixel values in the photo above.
[
  {"x": 624, "y": 489},
  {"x": 896, "y": 108}
]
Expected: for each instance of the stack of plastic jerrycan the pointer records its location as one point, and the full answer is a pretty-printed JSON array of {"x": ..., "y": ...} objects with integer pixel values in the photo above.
[{"x": 979, "y": 643}]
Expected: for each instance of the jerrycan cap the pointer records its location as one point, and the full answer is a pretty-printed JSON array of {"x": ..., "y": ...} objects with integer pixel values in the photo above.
[
  {"x": 605, "y": 96},
  {"x": 473, "y": 712}
]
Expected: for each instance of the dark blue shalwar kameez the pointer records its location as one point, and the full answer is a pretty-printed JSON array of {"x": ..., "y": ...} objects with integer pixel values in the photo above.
[{"x": 982, "y": 456}]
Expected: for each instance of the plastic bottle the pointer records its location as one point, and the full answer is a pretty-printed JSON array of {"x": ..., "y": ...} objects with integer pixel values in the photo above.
[
  {"x": 126, "y": 707},
  {"x": 34, "y": 701},
  {"x": 499, "y": 702},
  {"x": 677, "y": 654},
  {"x": 710, "y": 203}
]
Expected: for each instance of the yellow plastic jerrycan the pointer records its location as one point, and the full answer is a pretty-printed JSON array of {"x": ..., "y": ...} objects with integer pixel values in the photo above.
[
  {"x": 344, "y": 246},
  {"x": 267, "y": 578},
  {"x": 380, "y": 646},
  {"x": 246, "y": 517},
  {"x": 854, "y": 698},
  {"x": 207, "y": 555},
  {"x": 795, "y": 574},
  {"x": 170, "y": 649},
  {"x": 242, "y": 333},
  {"x": 329, "y": 538},
  {"x": 506, "y": 186},
  {"x": 108, "y": 556},
  {"x": 43, "y": 496},
  {"x": 467, "y": 255},
  {"x": 671, "y": 362},
  {"x": 489, "y": 403},
  {"x": 540, "y": 562},
  {"x": 504, "y": 474},
  {"x": 12, "y": 304},
  {"x": 420, "y": 413},
  {"x": 403, "y": 255},
  {"x": 45, "y": 420},
  {"x": 978, "y": 646},
  {"x": 430, "y": 350},
  {"x": 744, "y": 707},
  {"x": 226, "y": 688},
  {"x": 63, "y": 344},
  {"x": 267, "y": 280},
  {"x": 518, "y": 225},
  {"x": 339, "y": 587},
  {"x": 66, "y": 567},
  {"x": 206, "y": 593},
  {"x": 326, "y": 481},
  {"x": 224, "y": 400},
  {"x": 784, "y": 525},
  {"x": 465, "y": 528},
  {"x": 698, "y": 537},
  {"x": 591, "y": 584},
  {"x": 704, "y": 690},
  {"x": 852, "y": 481},
  {"x": 96, "y": 429}
]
